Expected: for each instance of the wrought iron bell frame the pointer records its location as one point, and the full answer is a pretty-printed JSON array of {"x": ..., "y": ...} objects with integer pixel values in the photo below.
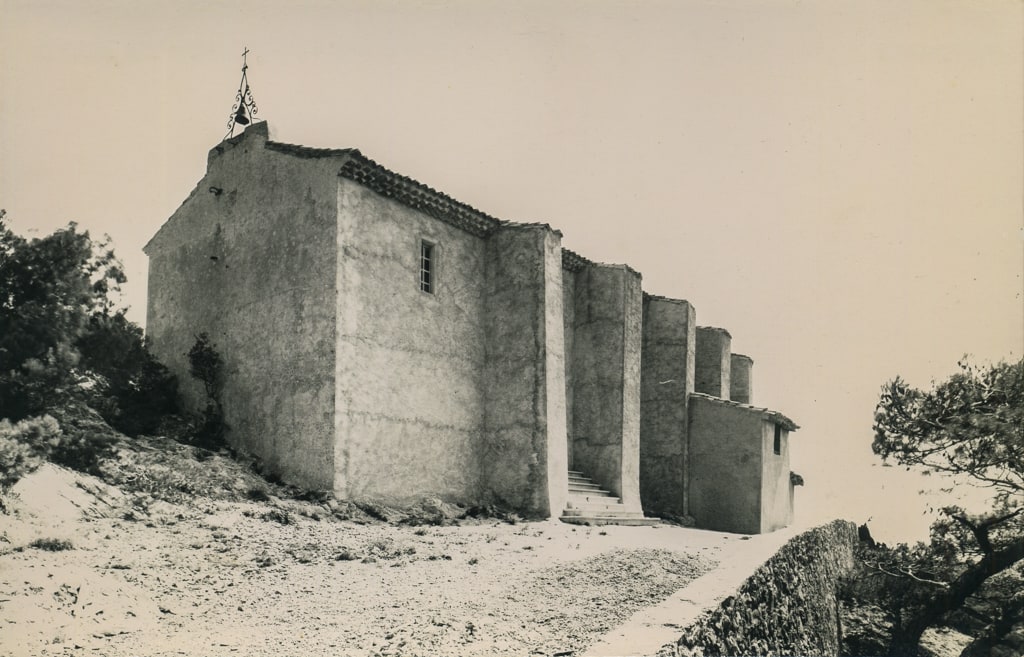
[{"x": 244, "y": 109}]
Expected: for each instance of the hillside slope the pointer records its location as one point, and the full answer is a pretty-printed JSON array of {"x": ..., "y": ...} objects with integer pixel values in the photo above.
[{"x": 191, "y": 556}]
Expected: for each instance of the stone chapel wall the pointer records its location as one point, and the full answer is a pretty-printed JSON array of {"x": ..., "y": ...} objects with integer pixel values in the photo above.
[
  {"x": 410, "y": 404},
  {"x": 667, "y": 379},
  {"x": 569, "y": 333},
  {"x": 776, "y": 490},
  {"x": 341, "y": 373},
  {"x": 726, "y": 452},
  {"x": 606, "y": 378},
  {"x": 243, "y": 259},
  {"x": 741, "y": 387},
  {"x": 524, "y": 438},
  {"x": 713, "y": 363}
]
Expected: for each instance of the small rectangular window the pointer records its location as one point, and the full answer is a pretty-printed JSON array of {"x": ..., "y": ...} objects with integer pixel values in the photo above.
[
  {"x": 427, "y": 267},
  {"x": 778, "y": 439}
]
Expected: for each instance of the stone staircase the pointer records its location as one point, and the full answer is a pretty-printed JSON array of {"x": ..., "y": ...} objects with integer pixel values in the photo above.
[{"x": 590, "y": 505}]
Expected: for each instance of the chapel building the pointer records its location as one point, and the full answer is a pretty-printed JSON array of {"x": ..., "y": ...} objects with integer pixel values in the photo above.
[{"x": 386, "y": 342}]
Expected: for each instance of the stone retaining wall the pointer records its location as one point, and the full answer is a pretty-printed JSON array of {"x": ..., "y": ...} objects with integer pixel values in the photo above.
[{"x": 787, "y": 607}]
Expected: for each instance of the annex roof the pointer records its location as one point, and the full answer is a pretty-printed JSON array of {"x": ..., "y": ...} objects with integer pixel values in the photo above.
[{"x": 768, "y": 414}]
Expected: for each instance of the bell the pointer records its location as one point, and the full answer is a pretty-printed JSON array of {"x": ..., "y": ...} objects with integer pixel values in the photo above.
[{"x": 240, "y": 116}]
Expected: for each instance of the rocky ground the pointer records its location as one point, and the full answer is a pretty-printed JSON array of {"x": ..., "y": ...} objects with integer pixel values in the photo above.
[
  {"x": 866, "y": 632},
  {"x": 152, "y": 568}
]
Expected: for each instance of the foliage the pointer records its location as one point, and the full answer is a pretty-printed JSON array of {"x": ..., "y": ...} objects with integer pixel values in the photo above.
[
  {"x": 51, "y": 544},
  {"x": 74, "y": 437},
  {"x": 85, "y": 440},
  {"x": 63, "y": 340},
  {"x": 50, "y": 287},
  {"x": 970, "y": 426},
  {"x": 134, "y": 392},
  {"x": 24, "y": 447},
  {"x": 206, "y": 365}
]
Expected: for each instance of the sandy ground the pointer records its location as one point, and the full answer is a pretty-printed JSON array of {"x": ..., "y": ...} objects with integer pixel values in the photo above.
[{"x": 228, "y": 578}]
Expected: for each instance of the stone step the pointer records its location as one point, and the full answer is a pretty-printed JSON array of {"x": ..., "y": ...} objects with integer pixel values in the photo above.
[
  {"x": 581, "y": 498},
  {"x": 589, "y": 504},
  {"x": 585, "y": 483},
  {"x": 587, "y": 488},
  {"x": 611, "y": 504},
  {"x": 584, "y": 497},
  {"x": 602, "y": 513},
  {"x": 600, "y": 520}
]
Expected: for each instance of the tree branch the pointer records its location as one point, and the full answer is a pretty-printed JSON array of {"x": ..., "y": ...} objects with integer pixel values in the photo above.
[
  {"x": 904, "y": 573},
  {"x": 953, "y": 597},
  {"x": 980, "y": 532},
  {"x": 992, "y": 522}
]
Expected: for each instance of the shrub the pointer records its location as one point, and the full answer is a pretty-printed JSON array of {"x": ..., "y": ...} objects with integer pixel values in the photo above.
[
  {"x": 24, "y": 447},
  {"x": 62, "y": 338},
  {"x": 134, "y": 392},
  {"x": 49, "y": 288},
  {"x": 16, "y": 458},
  {"x": 85, "y": 441},
  {"x": 74, "y": 437},
  {"x": 206, "y": 365},
  {"x": 498, "y": 512},
  {"x": 387, "y": 549},
  {"x": 51, "y": 544},
  {"x": 257, "y": 494}
]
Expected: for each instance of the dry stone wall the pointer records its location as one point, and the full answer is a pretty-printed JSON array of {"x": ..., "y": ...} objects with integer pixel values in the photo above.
[{"x": 789, "y": 605}]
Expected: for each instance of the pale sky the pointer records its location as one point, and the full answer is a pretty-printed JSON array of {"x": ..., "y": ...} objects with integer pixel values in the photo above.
[{"x": 838, "y": 183}]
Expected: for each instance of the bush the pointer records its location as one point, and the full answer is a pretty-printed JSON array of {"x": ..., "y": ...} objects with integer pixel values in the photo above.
[
  {"x": 85, "y": 441},
  {"x": 49, "y": 288},
  {"x": 206, "y": 365},
  {"x": 51, "y": 544},
  {"x": 134, "y": 392},
  {"x": 62, "y": 339},
  {"x": 25, "y": 446},
  {"x": 74, "y": 437}
]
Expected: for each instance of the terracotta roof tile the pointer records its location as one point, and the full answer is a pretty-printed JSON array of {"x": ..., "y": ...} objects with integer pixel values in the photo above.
[
  {"x": 306, "y": 151},
  {"x": 416, "y": 195},
  {"x": 658, "y": 297},
  {"x": 572, "y": 261},
  {"x": 769, "y": 414}
]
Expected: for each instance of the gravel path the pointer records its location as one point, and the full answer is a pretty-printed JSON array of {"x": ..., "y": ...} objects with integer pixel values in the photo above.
[{"x": 240, "y": 578}]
